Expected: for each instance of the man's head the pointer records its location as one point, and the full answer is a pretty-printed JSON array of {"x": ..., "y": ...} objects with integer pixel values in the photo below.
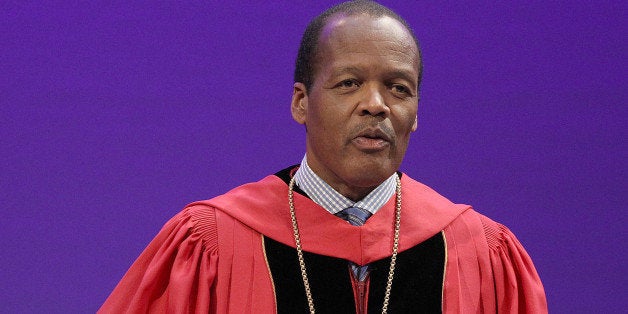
[
  {"x": 307, "y": 60},
  {"x": 361, "y": 103}
]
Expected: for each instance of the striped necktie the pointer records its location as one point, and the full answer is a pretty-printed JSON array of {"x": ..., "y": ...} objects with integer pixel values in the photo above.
[{"x": 357, "y": 217}]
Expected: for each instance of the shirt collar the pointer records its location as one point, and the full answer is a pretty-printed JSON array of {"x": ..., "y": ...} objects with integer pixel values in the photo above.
[{"x": 324, "y": 195}]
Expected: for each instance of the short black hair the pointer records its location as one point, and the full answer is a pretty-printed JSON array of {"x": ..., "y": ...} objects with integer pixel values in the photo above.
[{"x": 306, "y": 58}]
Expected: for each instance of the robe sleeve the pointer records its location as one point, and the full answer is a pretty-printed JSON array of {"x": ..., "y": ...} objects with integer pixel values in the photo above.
[
  {"x": 176, "y": 272},
  {"x": 518, "y": 288}
]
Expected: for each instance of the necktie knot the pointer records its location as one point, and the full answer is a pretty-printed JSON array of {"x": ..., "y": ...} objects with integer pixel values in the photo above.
[{"x": 354, "y": 215}]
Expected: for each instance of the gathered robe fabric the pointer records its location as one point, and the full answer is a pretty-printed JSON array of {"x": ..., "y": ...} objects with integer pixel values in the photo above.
[{"x": 210, "y": 258}]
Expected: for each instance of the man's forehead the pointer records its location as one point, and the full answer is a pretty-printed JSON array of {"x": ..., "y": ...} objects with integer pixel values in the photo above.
[
  {"x": 347, "y": 35},
  {"x": 342, "y": 28}
]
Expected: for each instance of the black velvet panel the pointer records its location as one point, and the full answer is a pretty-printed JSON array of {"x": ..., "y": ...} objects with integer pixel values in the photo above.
[
  {"x": 418, "y": 281},
  {"x": 285, "y": 174},
  {"x": 329, "y": 281},
  {"x": 417, "y": 285}
]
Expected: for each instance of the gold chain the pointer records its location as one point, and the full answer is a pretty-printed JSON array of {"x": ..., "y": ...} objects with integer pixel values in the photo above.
[{"x": 297, "y": 240}]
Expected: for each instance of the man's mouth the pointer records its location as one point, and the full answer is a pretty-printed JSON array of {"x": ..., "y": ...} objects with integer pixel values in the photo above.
[{"x": 372, "y": 140}]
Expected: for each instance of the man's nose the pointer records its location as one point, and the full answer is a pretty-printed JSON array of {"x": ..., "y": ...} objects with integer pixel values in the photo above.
[{"x": 372, "y": 102}]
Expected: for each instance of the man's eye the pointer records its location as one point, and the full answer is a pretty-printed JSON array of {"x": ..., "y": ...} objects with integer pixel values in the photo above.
[
  {"x": 400, "y": 89},
  {"x": 348, "y": 84}
]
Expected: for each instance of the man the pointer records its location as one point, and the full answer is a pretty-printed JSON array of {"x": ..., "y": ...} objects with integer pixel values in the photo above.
[{"x": 344, "y": 231}]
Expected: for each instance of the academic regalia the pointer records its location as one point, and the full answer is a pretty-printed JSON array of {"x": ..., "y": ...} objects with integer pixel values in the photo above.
[{"x": 235, "y": 254}]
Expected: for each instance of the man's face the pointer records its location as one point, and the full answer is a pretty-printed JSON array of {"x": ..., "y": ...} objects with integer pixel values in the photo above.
[{"x": 362, "y": 104}]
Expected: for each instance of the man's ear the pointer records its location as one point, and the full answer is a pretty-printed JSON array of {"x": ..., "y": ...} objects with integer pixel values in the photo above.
[
  {"x": 299, "y": 102},
  {"x": 416, "y": 123}
]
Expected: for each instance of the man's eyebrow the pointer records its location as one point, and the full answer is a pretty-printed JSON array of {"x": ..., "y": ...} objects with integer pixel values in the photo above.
[
  {"x": 407, "y": 75},
  {"x": 345, "y": 70}
]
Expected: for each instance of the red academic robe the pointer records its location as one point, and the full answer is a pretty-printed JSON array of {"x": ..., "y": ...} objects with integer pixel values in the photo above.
[{"x": 210, "y": 257}]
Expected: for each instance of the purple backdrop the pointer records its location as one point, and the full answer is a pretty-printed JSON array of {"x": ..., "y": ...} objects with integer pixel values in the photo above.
[{"x": 114, "y": 116}]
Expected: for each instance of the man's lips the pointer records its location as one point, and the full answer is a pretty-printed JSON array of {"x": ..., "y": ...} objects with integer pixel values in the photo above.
[{"x": 372, "y": 139}]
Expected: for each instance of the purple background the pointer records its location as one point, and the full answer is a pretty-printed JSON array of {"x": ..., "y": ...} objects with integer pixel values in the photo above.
[{"x": 114, "y": 116}]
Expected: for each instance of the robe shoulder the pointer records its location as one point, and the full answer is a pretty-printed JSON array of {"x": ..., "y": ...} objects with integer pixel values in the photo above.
[
  {"x": 517, "y": 283},
  {"x": 488, "y": 270},
  {"x": 175, "y": 272}
]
